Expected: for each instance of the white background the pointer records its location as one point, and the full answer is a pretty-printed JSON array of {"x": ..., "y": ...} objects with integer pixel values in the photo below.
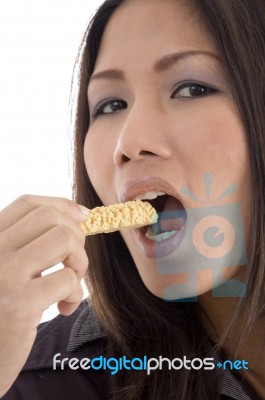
[{"x": 38, "y": 44}]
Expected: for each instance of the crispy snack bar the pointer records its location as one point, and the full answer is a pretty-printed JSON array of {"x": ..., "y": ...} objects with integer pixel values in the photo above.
[{"x": 132, "y": 214}]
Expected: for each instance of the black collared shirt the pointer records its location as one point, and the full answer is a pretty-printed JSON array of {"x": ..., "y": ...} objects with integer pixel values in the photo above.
[{"x": 81, "y": 336}]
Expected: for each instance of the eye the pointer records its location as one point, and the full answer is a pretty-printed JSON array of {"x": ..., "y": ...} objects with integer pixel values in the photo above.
[
  {"x": 192, "y": 90},
  {"x": 109, "y": 106}
]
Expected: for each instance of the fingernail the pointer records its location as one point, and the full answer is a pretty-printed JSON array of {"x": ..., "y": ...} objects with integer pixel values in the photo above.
[{"x": 84, "y": 210}]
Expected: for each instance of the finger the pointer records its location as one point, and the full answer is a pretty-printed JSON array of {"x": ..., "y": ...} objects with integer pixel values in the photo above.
[
  {"x": 57, "y": 245},
  {"x": 60, "y": 286},
  {"x": 26, "y": 203},
  {"x": 36, "y": 223},
  {"x": 66, "y": 308}
]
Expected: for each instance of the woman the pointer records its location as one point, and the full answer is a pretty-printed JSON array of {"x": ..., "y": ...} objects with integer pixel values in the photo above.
[{"x": 170, "y": 104}]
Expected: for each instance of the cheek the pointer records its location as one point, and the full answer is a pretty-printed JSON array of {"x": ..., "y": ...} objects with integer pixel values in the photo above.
[
  {"x": 218, "y": 150},
  {"x": 99, "y": 165},
  {"x": 213, "y": 141}
]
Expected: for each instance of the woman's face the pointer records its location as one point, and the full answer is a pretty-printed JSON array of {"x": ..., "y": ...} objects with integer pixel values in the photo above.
[{"x": 163, "y": 123}]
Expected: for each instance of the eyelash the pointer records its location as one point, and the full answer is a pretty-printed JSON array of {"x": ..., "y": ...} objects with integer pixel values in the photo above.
[
  {"x": 207, "y": 90},
  {"x": 100, "y": 107}
]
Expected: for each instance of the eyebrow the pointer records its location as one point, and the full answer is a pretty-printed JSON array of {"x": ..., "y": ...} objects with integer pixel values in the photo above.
[{"x": 161, "y": 65}]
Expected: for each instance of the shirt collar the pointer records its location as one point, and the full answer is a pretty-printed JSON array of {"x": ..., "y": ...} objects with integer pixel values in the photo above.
[{"x": 85, "y": 329}]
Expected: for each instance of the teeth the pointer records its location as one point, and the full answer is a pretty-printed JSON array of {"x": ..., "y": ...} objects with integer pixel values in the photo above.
[
  {"x": 160, "y": 236},
  {"x": 149, "y": 196}
]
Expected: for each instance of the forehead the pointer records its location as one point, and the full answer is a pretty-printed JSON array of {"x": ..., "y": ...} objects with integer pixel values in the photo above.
[{"x": 144, "y": 30}]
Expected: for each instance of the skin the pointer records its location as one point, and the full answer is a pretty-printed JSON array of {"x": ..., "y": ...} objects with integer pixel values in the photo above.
[
  {"x": 169, "y": 134},
  {"x": 159, "y": 129},
  {"x": 50, "y": 235}
]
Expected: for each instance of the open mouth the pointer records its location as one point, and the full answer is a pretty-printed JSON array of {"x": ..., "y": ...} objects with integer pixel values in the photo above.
[{"x": 171, "y": 216}]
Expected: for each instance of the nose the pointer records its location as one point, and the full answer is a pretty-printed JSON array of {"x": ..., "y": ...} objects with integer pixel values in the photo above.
[{"x": 142, "y": 134}]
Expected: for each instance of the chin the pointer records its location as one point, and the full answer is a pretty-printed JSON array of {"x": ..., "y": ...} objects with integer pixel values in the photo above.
[{"x": 176, "y": 287}]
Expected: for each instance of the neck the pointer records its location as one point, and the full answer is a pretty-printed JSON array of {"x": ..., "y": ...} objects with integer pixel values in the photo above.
[{"x": 252, "y": 350}]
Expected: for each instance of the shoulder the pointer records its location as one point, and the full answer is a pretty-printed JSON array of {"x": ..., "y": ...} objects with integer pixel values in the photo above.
[{"x": 68, "y": 340}]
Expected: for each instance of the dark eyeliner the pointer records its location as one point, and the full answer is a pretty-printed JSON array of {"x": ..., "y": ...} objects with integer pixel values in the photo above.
[
  {"x": 209, "y": 89},
  {"x": 99, "y": 107}
]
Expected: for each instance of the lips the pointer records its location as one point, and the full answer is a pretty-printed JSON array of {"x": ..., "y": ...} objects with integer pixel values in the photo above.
[
  {"x": 163, "y": 237},
  {"x": 130, "y": 190}
]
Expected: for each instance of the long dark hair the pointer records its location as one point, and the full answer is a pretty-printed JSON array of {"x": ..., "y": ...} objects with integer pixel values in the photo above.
[{"x": 138, "y": 323}]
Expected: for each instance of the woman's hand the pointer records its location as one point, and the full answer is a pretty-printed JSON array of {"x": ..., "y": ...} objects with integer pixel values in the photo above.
[{"x": 35, "y": 234}]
